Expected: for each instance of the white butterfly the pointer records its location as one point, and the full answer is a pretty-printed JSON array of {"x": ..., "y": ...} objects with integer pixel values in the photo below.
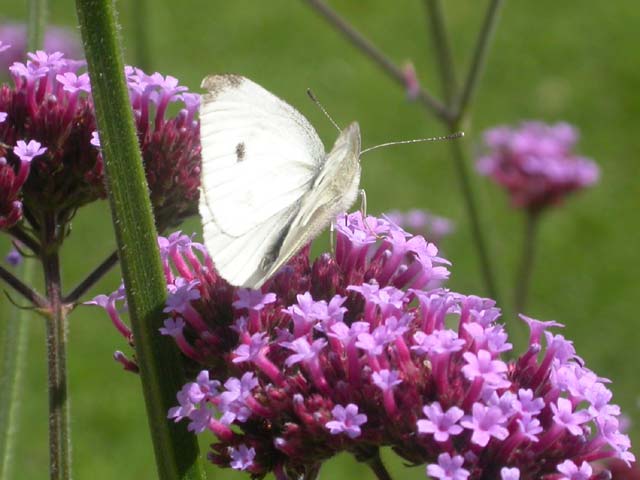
[{"x": 267, "y": 185}]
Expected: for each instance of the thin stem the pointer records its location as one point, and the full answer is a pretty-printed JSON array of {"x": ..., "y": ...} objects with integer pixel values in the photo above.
[
  {"x": 161, "y": 372},
  {"x": 26, "y": 239},
  {"x": 375, "y": 54},
  {"x": 471, "y": 204},
  {"x": 479, "y": 57},
  {"x": 91, "y": 279},
  {"x": 14, "y": 351},
  {"x": 442, "y": 49},
  {"x": 23, "y": 289},
  {"x": 56, "y": 331},
  {"x": 37, "y": 24},
  {"x": 377, "y": 467},
  {"x": 525, "y": 270}
]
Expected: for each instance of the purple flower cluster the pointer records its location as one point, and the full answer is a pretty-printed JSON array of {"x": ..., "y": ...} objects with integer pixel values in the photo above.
[
  {"x": 50, "y": 159},
  {"x": 536, "y": 163},
  {"x": 422, "y": 222},
  {"x": 56, "y": 39},
  {"x": 351, "y": 352}
]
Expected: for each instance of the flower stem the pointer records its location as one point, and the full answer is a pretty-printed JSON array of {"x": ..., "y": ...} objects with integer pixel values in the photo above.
[
  {"x": 26, "y": 239},
  {"x": 176, "y": 450},
  {"x": 442, "y": 49},
  {"x": 479, "y": 58},
  {"x": 37, "y": 24},
  {"x": 56, "y": 333},
  {"x": 91, "y": 279},
  {"x": 375, "y": 54},
  {"x": 377, "y": 467},
  {"x": 525, "y": 270},
  {"x": 14, "y": 351},
  {"x": 22, "y": 288},
  {"x": 471, "y": 203}
]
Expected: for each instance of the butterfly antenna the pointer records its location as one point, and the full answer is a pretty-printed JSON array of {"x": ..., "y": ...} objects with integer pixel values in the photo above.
[
  {"x": 315, "y": 100},
  {"x": 453, "y": 136}
]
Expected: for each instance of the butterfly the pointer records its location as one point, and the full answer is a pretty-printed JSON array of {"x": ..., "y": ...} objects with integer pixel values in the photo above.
[{"x": 267, "y": 185}]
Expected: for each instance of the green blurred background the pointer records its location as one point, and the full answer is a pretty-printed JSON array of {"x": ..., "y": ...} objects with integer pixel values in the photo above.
[{"x": 575, "y": 60}]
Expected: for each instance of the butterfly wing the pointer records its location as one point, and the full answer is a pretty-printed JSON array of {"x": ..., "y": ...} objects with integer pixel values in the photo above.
[
  {"x": 333, "y": 192},
  {"x": 259, "y": 158}
]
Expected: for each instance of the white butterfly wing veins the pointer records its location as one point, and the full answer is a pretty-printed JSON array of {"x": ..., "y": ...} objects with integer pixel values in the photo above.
[{"x": 267, "y": 186}]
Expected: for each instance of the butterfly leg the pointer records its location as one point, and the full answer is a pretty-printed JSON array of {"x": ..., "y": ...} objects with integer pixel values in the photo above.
[
  {"x": 363, "y": 211},
  {"x": 332, "y": 229}
]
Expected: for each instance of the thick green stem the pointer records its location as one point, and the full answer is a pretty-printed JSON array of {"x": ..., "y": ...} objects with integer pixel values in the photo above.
[
  {"x": 525, "y": 270},
  {"x": 176, "y": 450},
  {"x": 56, "y": 333},
  {"x": 479, "y": 58},
  {"x": 37, "y": 24},
  {"x": 14, "y": 351}
]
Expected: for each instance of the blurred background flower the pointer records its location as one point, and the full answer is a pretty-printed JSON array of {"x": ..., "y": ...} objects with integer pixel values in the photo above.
[{"x": 536, "y": 163}]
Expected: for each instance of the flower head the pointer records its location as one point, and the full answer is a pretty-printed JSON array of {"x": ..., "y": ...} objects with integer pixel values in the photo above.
[
  {"x": 48, "y": 131},
  {"x": 351, "y": 351},
  {"x": 536, "y": 163}
]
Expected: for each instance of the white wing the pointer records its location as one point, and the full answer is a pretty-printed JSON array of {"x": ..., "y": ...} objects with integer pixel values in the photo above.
[{"x": 259, "y": 158}]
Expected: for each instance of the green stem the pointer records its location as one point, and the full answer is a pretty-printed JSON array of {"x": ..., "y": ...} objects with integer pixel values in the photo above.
[
  {"x": 176, "y": 450},
  {"x": 479, "y": 58},
  {"x": 14, "y": 351},
  {"x": 56, "y": 336},
  {"x": 37, "y": 24},
  {"x": 442, "y": 49},
  {"x": 525, "y": 270},
  {"x": 378, "y": 57},
  {"x": 460, "y": 162},
  {"x": 376, "y": 465}
]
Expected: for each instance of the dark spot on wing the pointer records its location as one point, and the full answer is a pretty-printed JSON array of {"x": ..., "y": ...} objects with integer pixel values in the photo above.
[{"x": 240, "y": 152}]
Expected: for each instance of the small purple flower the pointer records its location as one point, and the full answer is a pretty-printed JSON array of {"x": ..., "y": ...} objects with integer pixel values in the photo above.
[
  {"x": 346, "y": 420},
  {"x": 253, "y": 299},
  {"x": 241, "y": 457},
  {"x": 571, "y": 471},
  {"x": 386, "y": 379},
  {"x": 448, "y": 468},
  {"x": 172, "y": 327},
  {"x": 73, "y": 83},
  {"x": 507, "y": 473},
  {"x": 485, "y": 422},
  {"x": 3, "y": 116},
  {"x": 13, "y": 258},
  {"x": 28, "y": 151},
  {"x": 482, "y": 365},
  {"x": 440, "y": 424},
  {"x": 304, "y": 351},
  {"x": 564, "y": 415},
  {"x": 95, "y": 139}
]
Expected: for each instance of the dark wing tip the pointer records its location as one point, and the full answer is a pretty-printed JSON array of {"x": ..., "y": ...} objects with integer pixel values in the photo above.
[{"x": 217, "y": 83}]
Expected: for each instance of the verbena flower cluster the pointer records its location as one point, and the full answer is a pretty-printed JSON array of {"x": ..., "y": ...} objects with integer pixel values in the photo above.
[
  {"x": 49, "y": 149},
  {"x": 351, "y": 352},
  {"x": 536, "y": 163},
  {"x": 56, "y": 39},
  {"x": 433, "y": 227}
]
